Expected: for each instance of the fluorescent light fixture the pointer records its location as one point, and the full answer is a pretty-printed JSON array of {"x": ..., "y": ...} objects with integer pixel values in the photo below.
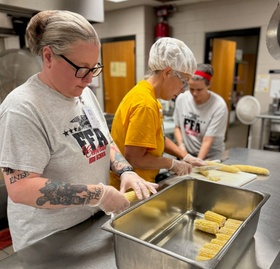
[{"x": 116, "y": 1}]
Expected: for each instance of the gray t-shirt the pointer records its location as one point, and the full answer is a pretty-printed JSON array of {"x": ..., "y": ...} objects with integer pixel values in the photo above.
[
  {"x": 44, "y": 132},
  {"x": 197, "y": 121}
]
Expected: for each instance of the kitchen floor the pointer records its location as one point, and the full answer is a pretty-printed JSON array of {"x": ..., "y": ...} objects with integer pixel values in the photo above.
[
  {"x": 6, "y": 252},
  {"x": 237, "y": 137}
]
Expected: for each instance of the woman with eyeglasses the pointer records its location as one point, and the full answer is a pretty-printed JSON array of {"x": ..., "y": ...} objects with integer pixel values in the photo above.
[
  {"x": 200, "y": 117},
  {"x": 56, "y": 149},
  {"x": 137, "y": 128}
]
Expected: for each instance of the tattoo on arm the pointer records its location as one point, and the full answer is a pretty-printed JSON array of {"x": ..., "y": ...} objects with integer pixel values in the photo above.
[
  {"x": 15, "y": 177},
  {"x": 59, "y": 193},
  {"x": 118, "y": 161}
]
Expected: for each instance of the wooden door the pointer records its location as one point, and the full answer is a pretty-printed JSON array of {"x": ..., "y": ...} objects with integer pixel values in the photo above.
[
  {"x": 223, "y": 62},
  {"x": 118, "y": 59}
]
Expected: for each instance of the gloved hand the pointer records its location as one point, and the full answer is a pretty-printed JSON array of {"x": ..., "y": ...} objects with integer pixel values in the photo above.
[
  {"x": 182, "y": 147},
  {"x": 112, "y": 201},
  {"x": 141, "y": 187},
  {"x": 180, "y": 167},
  {"x": 193, "y": 160}
]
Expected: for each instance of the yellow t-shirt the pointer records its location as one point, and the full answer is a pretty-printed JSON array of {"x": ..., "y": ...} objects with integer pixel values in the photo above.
[{"x": 138, "y": 122}]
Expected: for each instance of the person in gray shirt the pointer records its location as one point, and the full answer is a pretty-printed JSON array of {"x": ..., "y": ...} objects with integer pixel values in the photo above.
[
  {"x": 201, "y": 117},
  {"x": 55, "y": 148}
]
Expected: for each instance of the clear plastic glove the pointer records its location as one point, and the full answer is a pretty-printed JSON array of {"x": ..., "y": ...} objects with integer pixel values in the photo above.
[
  {"x": 141, "y": 187},
  {"x": 182, "y": 147},
  {"x": 112, "y": 202},
  {"x": 193, "y": 160},
  {"x": 180, "y": 168}
]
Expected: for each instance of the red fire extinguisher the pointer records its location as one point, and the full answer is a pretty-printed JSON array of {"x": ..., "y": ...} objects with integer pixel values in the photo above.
[{"x": 162, "y": 29}]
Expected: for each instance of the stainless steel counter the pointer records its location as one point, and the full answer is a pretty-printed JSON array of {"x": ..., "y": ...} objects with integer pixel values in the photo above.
[{"x": 87, "y": 246}]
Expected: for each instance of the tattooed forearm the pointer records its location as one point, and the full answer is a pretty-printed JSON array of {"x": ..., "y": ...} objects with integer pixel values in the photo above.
[
  {"x": 58, "y": 193},
  {"x": 117, "y": 161},
  {"x": 14, "y": 177}
]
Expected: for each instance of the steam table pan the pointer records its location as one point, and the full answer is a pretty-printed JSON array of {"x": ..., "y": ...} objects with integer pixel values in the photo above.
[{"x": 159, "y": 232}]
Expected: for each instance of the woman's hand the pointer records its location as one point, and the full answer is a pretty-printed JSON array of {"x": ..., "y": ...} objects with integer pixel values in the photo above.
[
  {"x": 193, "y": 160},
  {"x": 112, "y": 202},
  {"x": 180, "y": 168},
  {"x": 141, "y": 187}
]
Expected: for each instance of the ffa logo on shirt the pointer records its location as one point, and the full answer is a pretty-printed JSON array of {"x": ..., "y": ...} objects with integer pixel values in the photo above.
[
  {"x": 91, "y": 140},
  {"x": 192, "y": 124}
]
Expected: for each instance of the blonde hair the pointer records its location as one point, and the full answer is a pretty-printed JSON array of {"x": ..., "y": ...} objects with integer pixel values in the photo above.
[{"x": 58, "y": 29}]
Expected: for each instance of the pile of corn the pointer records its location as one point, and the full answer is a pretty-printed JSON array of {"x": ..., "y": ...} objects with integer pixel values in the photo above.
[
  {"x": 208, "y": 176},
  {"x": 235, "y": 168},
  {"x": 219, "y": 225}
]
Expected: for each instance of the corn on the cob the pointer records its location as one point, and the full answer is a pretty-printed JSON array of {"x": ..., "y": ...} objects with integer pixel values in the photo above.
[
  {"x": 223, "y": 237},
  {"x": 214, "y": 178},
  {"x": 207, "y": 252},
  {"x": 232, "y": 225},
  {"x": 252, "y": 169},
  {"x": 210, "y": 215},
  {"x": 226, "y": 230},
  {"x": 131, "y": 196},
  {"x": 224, "y": 167},
  {"x": 213, "y": 246},
  {"x": 217, "y": 241},
  {"x": 234, "y": 221},
  {"x": 202, "y": 258},
  {"x": 204, "y": 173},
  {"x": 206, "y": 226}
]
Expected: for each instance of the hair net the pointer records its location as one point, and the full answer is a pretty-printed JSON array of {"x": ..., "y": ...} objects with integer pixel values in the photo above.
[{"x": 171, "y": 52}]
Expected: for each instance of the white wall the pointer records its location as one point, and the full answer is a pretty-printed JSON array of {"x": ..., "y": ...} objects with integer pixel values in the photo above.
[
  {"x": 190, "y": 23},
  {"x": 136, "y": 21}
]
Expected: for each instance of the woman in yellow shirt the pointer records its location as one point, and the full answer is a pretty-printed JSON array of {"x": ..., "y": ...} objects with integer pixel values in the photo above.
[{"x": 137, "y": 127}]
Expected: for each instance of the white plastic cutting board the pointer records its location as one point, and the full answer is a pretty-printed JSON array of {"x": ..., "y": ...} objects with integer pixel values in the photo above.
[{"x": 233, "y": 179}]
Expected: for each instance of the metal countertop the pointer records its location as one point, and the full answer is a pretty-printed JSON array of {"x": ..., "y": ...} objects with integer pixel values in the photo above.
[{"x": 87, "y": 246}]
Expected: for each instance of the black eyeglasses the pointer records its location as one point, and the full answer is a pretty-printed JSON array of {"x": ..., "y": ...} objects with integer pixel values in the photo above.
[
  {"x": 185, "y": 83},
  {"x": 82, "y": 72}
]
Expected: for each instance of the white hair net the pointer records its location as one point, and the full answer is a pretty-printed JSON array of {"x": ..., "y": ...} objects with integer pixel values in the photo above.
[{"x": 173, "y": 53}]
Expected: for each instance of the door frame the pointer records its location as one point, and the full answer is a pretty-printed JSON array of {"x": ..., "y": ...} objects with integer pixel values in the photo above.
[
  {"x": 231, "y": 33},
  {"x": 117, "y": 39},
  {"x": 238, "y": 33}
]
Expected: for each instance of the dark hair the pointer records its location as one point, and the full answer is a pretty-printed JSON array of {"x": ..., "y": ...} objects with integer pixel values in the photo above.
[{"x": 206, "y": 68}]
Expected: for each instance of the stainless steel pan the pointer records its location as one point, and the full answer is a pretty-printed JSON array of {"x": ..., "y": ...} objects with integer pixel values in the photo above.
[{"x": 273, "y": 34}]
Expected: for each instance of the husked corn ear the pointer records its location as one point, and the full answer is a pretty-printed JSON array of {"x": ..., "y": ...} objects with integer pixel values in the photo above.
[
  {"x": 131, "y": 196},
  {"x": 214, "y": 178},
  {"x": 210, "y": 215},
  {"x": 206, "y": 226},
  {"x": 204, "y": 173},
  {"x": 202, "y": 258},
  {"x": 219, "y": 242},
  {"x": 207, "y": 252},
  {"x": 232, "y": 225},
  {"x": 223, "y": 237},
  {"x": 229, "y": 169},
  {"x": 213, "y": 246},
  {"x": 234, "y": 221},
  {"x": 224, "y": 167},
  {"x": 252, "y": 169},
  {"x": 226, "y": 230}
]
